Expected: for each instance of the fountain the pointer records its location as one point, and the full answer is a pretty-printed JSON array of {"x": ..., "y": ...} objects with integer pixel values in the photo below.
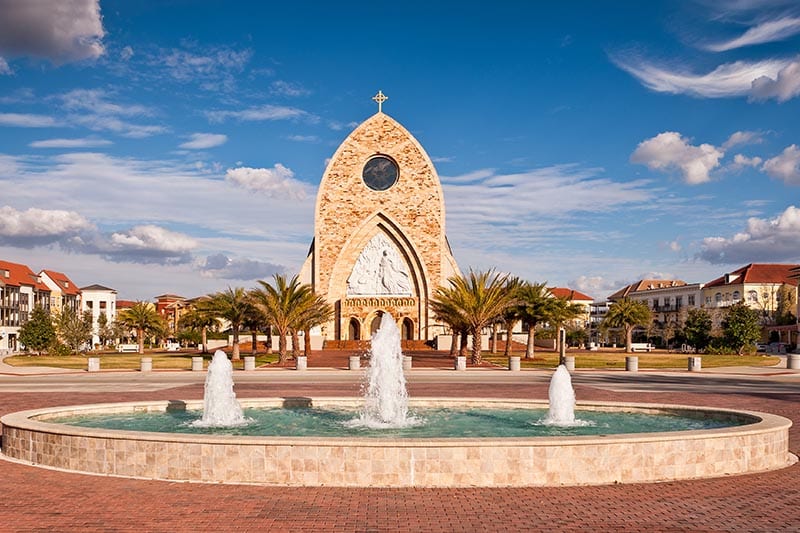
[
  {"x": 220, "y": 408},
  {"x": 754, "y": 442},
  {"x": 562, "y": 399},
  {"x": 386, "y": 397}
]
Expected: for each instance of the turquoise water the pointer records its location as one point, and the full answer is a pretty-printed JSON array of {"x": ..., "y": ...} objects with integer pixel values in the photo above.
[{"x": 426, "y": 423}]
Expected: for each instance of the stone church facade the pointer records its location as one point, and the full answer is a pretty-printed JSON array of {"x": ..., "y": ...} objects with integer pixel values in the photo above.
[{"x": 379, "y": 234}]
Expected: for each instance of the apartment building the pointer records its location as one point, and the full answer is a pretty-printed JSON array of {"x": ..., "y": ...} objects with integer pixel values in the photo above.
[
  {"x": 20, "y": 292},
  {"x": 64, "y": 294},
  {"x": 766, "y": 287}
]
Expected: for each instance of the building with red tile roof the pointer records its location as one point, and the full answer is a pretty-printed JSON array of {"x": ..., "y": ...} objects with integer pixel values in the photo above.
[
  {"x": 20, "y": 292},
  {"x": 64, "y": 293},
  {"x": 761, "y": 286}
]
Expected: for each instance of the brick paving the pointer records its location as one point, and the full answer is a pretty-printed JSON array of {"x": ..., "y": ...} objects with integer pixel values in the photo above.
[{"x": 35, "y": 499}]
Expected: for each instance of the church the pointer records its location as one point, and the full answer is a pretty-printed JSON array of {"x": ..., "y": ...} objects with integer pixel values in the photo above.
[{"x": 379, "y": 234}]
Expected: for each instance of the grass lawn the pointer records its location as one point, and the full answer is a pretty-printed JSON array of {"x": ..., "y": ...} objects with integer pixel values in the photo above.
[
  {"x": 128, "y": 361},
  {"x": 603, "y": 360}
]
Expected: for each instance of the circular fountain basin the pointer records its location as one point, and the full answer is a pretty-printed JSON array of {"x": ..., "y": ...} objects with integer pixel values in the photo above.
[{"x": 760, "y": 444}]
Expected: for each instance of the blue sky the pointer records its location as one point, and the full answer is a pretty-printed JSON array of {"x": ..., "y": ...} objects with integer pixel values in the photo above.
[{"x": 177, "y": 146}]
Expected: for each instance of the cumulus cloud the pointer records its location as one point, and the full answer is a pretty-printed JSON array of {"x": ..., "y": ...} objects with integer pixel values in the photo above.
[
  {"x": 34, "y": 227},
  {"x": 741, "y": 161},
  {"x": 782, "y": 86},
  {"x": 85, "y": 142},
  {"x": 201, "y": 141},
  {"x": 275, "y": 182},
  {"x": 260, "y": 113},
  {"x": 223, "y": 267},
  {"x": 26, "y": 120},
  {"x": 670, "y": 150},
  {"x": 4, "y": 68},
  {"x": 145, "y": 244},
  {"x": 727, "y": 80},
  {"x": 774, "y": 240},
  {"x": 593, "y": 286},
  {"x": 63, "y": 31},
  {"x": 765, "y": 32},
  {"x": 785, "y": 166}
]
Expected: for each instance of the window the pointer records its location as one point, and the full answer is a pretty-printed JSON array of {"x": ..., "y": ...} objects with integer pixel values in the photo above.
[
  {"x": 708, "y": 300},
  {"x": 736, "y": 296},
  {"x": 102, "y": 305},
  {"x": 752, "y": 296},
  {"x": 89, "y": 304},
  {"x": 679, "y": 301},
  {"x": 718, "y": 298},
  {"x": 690, "y": 299}
]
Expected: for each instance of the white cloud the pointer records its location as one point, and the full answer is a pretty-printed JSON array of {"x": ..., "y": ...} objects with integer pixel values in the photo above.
[
  {"x": 785, "y": 166},
  {"x": 4, "y": 68},
  {"x": 742, "y": 137},
  {"x": 38, "y": 226},
  {"x": 675, "y": 246},
  {"x": 264, "y": 112},
  {"x": 594, "y": 286},
  {"x": 126, "y": 53},
  {"x": 211, "y": 67},
  {"x": 730, "y": 79},
  {"x": 782, "y": 86},
  {"x": 741, "y": 161},
  {"x": 201, "y": 141},
  {"x": 670, "y": 150},
  {"x": 86, "y": 142},
  {"x": 775, "y": 240},
  {"x": 26, "y": 120},
  {"x": 150, "y": 237},
  {"x": 92, "y": 109},
  {"x": 275, "y": 182},
  {"x": 765, "y": 32},
  {"x": 63, "y": 31},
  {"x": 303, "y": 138},
  {"x": 285, "y": 88},
  {"x": 221, "y": 266}
]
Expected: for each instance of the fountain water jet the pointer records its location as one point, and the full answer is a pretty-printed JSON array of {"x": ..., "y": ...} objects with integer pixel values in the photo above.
[
  {"x": 562, "y": 399},
  {"x": 386, "y": 397},
  {"x": 220, "y": 407}
]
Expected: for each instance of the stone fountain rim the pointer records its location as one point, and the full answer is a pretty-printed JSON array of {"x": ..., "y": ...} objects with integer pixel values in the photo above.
[{"x": 36, "y": 420}]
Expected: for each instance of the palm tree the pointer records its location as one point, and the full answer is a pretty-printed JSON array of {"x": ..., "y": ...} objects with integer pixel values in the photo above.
[
  {"x": 199, "y": 319},
  {"x": 532, "y": 308},
  {"x": 479, "y": 299},
  {"x": 314, "y": 311},
  {"x": 445, "y": 306},
  {"x": 628, "y": 314},
  {"x": 510, "y": 315},
  {"x": 232, "y": 305},
  {"x": 560, "y": 311},
  {"x": 281, "y": 305},
  {"x": 143, "y": 317}
]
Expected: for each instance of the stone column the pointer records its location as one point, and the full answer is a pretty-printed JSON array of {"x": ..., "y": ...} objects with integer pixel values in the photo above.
[
  {"x": 93, "y": 364},
  {"x": 461, "y": 363},
  {"x": 146, "y": 364},
  {"x": 632, "y": 363},
  {"x": 355, "y": 362},
  {"x": 302, "y": 362},
  {"x": 569, "y": 362},
  {"x": 249, "y": 363},
  {"x": 513, "y": 363},
  {"x": 793, "y": 361},
  {"x": 197, "y": 363},
  {"x": 695, "y": 364}
]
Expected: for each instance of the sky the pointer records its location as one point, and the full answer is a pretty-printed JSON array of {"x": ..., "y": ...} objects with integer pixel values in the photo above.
[{"x": 176, "y": 146}]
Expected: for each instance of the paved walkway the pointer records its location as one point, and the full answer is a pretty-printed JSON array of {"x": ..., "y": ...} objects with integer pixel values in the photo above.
[{"x": 35, "y": 499}]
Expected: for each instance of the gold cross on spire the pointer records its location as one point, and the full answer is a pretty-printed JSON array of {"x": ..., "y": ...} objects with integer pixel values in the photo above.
[{"x": 380, "y": 98}]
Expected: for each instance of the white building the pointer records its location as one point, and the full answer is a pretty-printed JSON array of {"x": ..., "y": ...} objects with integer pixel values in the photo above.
[{"x": 100, "y": 301}]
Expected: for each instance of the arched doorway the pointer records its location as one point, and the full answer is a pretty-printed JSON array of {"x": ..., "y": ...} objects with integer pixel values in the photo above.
[
  {"x": 407, "y": 331},
  {"x": 354, "y": 330},
  {"x": 375, "y": 325}
]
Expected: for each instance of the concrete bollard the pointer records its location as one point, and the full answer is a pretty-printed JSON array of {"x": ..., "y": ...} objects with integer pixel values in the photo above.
[
  {"x": 632, "y": 363},
  {"x": 302, "y": 362},
  {"x": 695, "y": 364},
  {"x": 355, "y": 362},
  {"x": 406, "y": 362},
  {"x": 513, "y": 363},
  {"x": 93, "y": 364},
  {"x": 249, "y": 363},
  {"x": 461, "y": 363},
  {"x": 569, "y": 362},
  {"x": 197, "y": 363},
  {"x": 793, "y": 361},
  {"x": 146, "y": 365}
]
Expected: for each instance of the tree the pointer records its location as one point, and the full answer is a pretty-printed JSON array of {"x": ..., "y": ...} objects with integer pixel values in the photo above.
[
  {"x": 627, "y": 314},
  {"x": 697, "y": 328},
  {"x": 445, "y": 306},
  {"x": 532, "y": 308},
  {"x": 232, "y": 305},
  {"x": 741, "y": 327},
  {"x": 143, "y": 317},
  {"x": 314, "y": 311},
  {"x": 786, "y": 305},
  {"x": 200, "y": 320},
  {"x": 559, "y": 311},
  {"x": 74, "y": 329},
  {"x": 38, "y": 332},
  {"x": 282, "y": 304},
  {"x": 480, "y": 298}
]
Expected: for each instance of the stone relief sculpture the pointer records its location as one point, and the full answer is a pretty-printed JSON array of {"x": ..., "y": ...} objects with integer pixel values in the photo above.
[{"x": 379, "y": 270}]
